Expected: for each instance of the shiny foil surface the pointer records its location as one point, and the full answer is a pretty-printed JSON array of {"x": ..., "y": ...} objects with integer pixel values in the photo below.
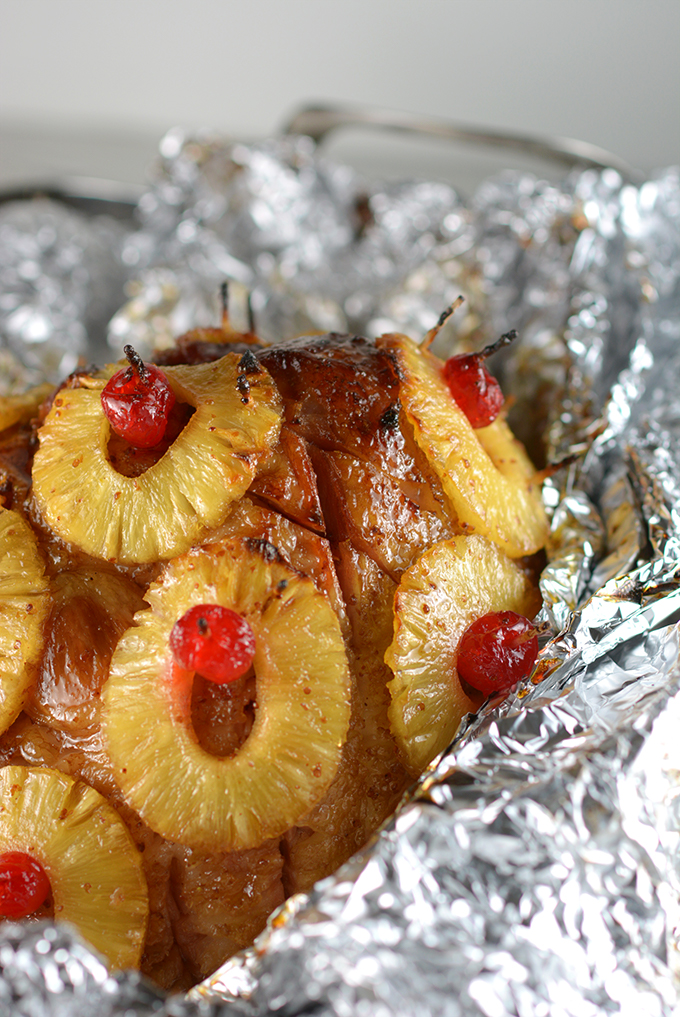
[
  {"x": 535, "y": 869},
  {"x": 61, "y": 279},
  {"x": 318, "y": 247}
]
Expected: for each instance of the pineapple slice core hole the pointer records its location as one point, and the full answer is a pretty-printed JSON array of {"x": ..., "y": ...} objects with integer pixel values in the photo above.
[
  {"x": 222, "y": 716},
  {"x": 130, "y": 461}
]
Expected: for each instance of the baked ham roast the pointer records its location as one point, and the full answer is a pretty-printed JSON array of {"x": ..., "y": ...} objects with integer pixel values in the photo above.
[{"x": 330, "y": 492}]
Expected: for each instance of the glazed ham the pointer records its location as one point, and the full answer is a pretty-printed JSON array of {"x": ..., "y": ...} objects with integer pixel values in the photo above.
[{"x": 327, "y": 489}]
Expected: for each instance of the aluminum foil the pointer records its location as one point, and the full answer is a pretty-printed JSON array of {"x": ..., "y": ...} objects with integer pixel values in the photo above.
[
  {"x": 535, "y": 869},
  {"x": 61, "y": 279},
  {"x": 318, "y": 247}
]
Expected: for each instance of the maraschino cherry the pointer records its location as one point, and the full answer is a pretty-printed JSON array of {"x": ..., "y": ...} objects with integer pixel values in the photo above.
[
  {"x": 213, "y": 640},
  {"x": 473, "y": 387},
  {"x": 24, "y": 885},
  {"x": 496, "y": 651},
  {"x": 137, "y": 402}
]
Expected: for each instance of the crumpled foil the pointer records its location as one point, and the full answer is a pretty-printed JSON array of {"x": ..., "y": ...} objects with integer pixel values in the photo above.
[
  {"x": 61, "y": 279},
  {"x": 536, "y": 868},
  {"x": 318, "y": 247}
]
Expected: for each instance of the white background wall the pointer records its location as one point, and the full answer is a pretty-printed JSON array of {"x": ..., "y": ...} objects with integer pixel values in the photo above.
[{"x": 90, "y": 85}]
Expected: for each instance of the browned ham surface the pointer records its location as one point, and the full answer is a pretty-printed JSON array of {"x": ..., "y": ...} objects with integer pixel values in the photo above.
[{"x": 349, "y": 501}]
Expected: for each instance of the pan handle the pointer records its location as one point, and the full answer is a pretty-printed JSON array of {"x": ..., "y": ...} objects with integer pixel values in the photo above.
[{"x": 318, "y": 121}]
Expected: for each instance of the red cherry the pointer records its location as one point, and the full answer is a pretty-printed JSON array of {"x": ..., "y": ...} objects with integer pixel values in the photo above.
[
  {"x": 137, "y": 402},
  {"x": 213, "y": 640},
  {"x": 473, "y": 387},
  {"x": 24, "y": 885},
  {"x": 496, "y": 651},
  {"x": 475, "y": 390}
]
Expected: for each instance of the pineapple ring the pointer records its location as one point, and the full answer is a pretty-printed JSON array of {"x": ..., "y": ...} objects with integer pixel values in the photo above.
[
  {"x": 303, "y": 693},
  {"x": 93, "y": 865},
  {"x": 485, "y": 473},
  {"x": 185, "y": 494},
  {"x": 15, "y": 409},
  {"x": 450, "y": 586},
  {"x": 24, "y": 603}
]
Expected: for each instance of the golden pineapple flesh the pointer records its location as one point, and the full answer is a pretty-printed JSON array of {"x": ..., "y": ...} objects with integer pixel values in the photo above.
[
  {"x": 485, "y": 474},
  {"x": 326, "y": 489},
  {"x": 20, "y": 408},
  {"x": 24, "y": 603},
  {"x": 451, "y": 585},
  {"x": 178, "y": 500},
  {"x": 92, "y": 863},
  {"x": 303, "y": 687}
]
